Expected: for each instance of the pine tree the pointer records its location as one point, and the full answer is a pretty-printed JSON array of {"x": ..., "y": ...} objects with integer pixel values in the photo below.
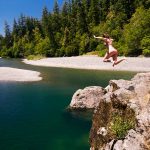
[
  {"x": 104, "y": 9},
  {"x": 65, "y": 15},
  {"x": 82, "y": 26},
  {"x": 30, "y": 26},
  {"x": 15, "y": 31},
  {"x": 1, "y": 42},
  {"x": 22, "y": 25},
  {"x": 8, "y": 37},
  {"x": 45, "y": 16},
  {"x": 73, "y": 19},
  {"x": 94, "y": 12},
  {"x": 56, "y": 19},
  {"x": 86, "y": 5}
]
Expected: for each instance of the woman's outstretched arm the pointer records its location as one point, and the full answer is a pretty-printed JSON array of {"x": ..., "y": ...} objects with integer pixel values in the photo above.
[{"x": 98, "y": 37}]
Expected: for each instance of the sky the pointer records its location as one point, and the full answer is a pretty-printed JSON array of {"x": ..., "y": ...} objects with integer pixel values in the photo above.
[{"x": 12, "y": 9}]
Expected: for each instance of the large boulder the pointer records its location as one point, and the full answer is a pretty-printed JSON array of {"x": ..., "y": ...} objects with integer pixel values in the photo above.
[{"x": 87, "y": 98}]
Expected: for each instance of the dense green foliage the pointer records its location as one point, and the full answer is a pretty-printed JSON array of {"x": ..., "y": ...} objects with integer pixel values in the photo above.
[{"x": 69, "y": 31}]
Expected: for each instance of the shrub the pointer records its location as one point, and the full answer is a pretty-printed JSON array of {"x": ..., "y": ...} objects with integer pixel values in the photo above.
[
  {"x": 145, "y": 45},
  {"x": 71, "y": 50},
  {"x": 93, "y": 53},
  {"x": 35, "y": 57},
  {"x": 102, "y": 50},
  {"x": 146, "y": 52},
  {"x": 122, "y": 122},
  {"x": 93, "y": 44}
]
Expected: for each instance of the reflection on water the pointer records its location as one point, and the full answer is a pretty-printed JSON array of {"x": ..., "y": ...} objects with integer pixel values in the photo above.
[{"x": 33, "y": 116}]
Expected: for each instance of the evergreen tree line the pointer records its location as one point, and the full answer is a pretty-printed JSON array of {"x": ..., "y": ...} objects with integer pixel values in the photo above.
[{"x": 69, "y": 31}]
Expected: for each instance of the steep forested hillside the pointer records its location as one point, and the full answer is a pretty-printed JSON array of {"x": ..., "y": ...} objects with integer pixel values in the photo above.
[{"x": 68, "y": 30}]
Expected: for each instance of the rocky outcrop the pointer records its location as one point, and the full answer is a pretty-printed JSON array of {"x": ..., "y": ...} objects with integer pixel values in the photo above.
[
  {"x": 121, "y": 119},
  {"x": 87, "y": 98},
  {"x": 129, "y": 101}
]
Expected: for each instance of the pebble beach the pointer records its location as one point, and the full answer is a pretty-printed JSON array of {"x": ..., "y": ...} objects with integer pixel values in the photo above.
[
  {"x": 139, "y": 64},
  {"x": 14, "y": 74}
]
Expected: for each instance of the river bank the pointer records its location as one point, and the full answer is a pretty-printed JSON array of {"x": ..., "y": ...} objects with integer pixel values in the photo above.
[{"x": 138, "y": 64}]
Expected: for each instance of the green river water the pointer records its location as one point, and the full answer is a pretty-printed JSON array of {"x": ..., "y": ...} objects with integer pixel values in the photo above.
[{"x": 33, "y": 114}]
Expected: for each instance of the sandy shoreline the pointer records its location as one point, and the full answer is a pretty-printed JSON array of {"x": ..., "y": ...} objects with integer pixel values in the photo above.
[
  {"x": 93, "y": 62},
  {"x": 14, "y": 74},
  {"x": 80, "y": 62}
]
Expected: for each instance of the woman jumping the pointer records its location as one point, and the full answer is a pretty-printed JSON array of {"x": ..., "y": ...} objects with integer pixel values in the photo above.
[{"x": 112, "y": 52}]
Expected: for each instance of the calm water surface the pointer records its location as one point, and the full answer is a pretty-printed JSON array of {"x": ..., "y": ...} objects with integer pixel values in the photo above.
[{"x": 33, "y": 116}]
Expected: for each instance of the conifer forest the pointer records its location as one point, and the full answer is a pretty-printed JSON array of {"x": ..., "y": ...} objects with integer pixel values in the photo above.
[{"x": 68, "y": 30}]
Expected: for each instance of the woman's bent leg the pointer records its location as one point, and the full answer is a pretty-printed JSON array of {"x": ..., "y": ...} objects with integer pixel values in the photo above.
[
  {"x": 117, "y": 62},
  {"x": 106, "y": 58},
  {"x": 112, "y": 54}
]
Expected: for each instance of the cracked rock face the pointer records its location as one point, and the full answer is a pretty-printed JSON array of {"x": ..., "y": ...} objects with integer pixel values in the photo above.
[{"x": 130, "y": 99}]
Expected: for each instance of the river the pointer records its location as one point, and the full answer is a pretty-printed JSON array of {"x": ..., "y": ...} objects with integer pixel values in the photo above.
[{"x": 33, "y": 114}]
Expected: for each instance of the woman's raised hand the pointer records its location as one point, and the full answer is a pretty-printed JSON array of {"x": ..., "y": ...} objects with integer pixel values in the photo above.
[{"x": 94, "y": 36}]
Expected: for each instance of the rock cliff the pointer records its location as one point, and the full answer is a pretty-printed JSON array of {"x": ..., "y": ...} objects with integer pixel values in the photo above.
[{"x": 121, "y": 119}]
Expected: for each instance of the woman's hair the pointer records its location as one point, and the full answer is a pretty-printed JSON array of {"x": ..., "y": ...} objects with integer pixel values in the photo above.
[{"x": 105, "y": 35}]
